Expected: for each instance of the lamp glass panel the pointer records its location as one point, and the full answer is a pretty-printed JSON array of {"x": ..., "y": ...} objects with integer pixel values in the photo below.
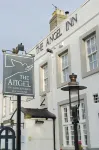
[{"x": 73, "y": 93}]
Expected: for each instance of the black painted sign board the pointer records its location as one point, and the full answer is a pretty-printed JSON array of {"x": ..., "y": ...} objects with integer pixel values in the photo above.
[{"x": 18, "y": 75}]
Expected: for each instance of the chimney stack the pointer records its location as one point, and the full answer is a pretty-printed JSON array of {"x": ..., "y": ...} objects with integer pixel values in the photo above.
[{"x": 57, "y": 17}]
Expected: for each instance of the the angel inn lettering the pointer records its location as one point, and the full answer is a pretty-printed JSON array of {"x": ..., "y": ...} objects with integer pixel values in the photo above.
[
  {"x": 71, "y": 22},
  {"x": 54, "y": 36},
  {"x": 57, "y": 34}
]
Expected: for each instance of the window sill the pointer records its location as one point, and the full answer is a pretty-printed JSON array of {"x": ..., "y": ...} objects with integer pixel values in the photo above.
[
  {"x": 73, "y": 148},
  {"x": 68, "y": 148},
  {"x": 4, "y": 116},
  {"x": 43, "y": 93},
  {"x": 89, "y": 73},
  {"x": 11, "y": 113}
]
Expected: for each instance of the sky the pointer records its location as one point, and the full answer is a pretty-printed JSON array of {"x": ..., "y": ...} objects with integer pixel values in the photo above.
[{"x": 27, "y": 21}]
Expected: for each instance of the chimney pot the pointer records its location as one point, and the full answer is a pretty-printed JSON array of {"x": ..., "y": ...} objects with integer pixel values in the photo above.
[{"x": 66, "y": 12}]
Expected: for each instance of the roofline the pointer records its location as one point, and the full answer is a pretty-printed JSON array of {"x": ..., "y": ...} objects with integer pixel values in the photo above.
[{"x": 60, "y": 24}]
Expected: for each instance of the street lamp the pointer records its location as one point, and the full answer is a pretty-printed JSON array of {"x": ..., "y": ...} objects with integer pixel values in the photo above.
[{"x": 74, "y": 88}]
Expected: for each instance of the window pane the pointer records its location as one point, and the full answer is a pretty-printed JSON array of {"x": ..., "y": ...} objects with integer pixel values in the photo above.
[
  {"x": 46, "y": 84},
  {"x": 67, "y": 135},
  {"x": 72, "y": 135},
  {"x": 93, "y": 48},
  {"x": 95, "y": 64},
  {"x": 45, "y": 77},
  {"x": 88, "y": 43},
  {"x": 88, "y": 47},
  {"x": 93, "y": 40},
  {"x": 94, "y": 57},
  {"x": 45, "y": 71},
  {"x": 85, "y": 134},
  {"x": 64, "y": 61},
  {"x": 89, "y": 50},
  {"x": 65, "y": 115},
  {"x": 71, "y": 117},
  {"x": 93, "y": 43},
  {"x": 2, "y": 144},
  {"x": 4, "y": 106},
  {"x": 79, "y": 133},
  {"x": 90, "y": 58},
  {"x": 83, "y": 110},
  {"x": 10, "y": 144},
  {"x": 91, "y": 66},
  {"x": 65, "y": 75}
]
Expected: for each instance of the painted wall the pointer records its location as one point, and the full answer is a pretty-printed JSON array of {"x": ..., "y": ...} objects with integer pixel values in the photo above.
[
  {"x": 88, "y": 17},
  {"x": 38, "y": 136}
]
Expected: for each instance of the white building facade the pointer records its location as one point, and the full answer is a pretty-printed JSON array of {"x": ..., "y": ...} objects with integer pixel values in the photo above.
[{"x": 75, "y": 49}]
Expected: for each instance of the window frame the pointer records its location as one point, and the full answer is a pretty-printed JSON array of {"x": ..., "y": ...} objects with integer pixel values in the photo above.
[
  {"x": 68, "y": 123},
  {"x": 83, "y": 98},
  {"x": 83, "y": 52},
  {"x": 42, "y": 92},
  {"x": 4, "y": 107},
  {"x": 11, "y": 109},
  {"x": 92, "y": 53},
  {"x": 58, "y": 65}
]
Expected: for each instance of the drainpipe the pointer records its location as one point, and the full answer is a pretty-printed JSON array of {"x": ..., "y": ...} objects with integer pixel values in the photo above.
[{"x": 54, "y": 141}]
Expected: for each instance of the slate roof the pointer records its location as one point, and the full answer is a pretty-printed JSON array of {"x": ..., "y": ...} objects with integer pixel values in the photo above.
[{"x": 38, "y": 113}]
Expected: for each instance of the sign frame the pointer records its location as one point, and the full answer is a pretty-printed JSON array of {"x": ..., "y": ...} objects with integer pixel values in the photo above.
[{"x": 21, "y": 58}]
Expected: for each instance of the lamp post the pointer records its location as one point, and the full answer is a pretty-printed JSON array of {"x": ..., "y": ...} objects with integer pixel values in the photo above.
[
  {"x": 20, "y": 47},
  {"x": 73, "y": 88}
]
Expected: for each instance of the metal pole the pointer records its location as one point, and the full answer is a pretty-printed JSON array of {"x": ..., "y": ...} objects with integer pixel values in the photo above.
[
  {"x": 76, "y": 136},
  {"x": 54, "y": 134},
  {"x": 18, "y": 142},
  {"x": 75, "y": 123}
]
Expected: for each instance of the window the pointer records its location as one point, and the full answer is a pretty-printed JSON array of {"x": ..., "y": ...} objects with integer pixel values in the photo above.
[
  {"x": 11, "y": 103},
  {"x": 83, "y": 110},
  {"x": 4, "y": 107},
  {"x": 63, "y": 66},
  {"x": 79, "y": 133},
  {"x": 44, "y": 78},
  {"x": 65, "y": 115},
  {"x": 96, "y": 98},
  {"x": 67, "y": 126},
  {"x": 89, "y": 52},
  {"x": 67, "y": 135},
  {"x": 72, "y": 135},
  {"x": 85, "y": 134}
]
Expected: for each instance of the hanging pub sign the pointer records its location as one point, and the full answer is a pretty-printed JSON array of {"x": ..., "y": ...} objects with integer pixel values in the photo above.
[{"x": 18, "y": 75}]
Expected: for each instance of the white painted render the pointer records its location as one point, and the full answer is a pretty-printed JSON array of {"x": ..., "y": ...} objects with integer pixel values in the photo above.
[
  {"x": 38, "y": 136},
  {"x": 88, "y": 17}
]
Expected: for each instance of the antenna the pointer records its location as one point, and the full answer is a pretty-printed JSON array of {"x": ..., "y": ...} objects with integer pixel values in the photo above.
[{"x": 54, "y": 6}]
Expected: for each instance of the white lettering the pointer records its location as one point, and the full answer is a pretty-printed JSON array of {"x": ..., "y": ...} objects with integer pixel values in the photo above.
[{"x": 10, "y": 82}]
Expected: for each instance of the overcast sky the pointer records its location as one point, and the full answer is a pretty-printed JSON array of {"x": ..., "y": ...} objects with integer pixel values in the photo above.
[{"x": 27, "y": 21}]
